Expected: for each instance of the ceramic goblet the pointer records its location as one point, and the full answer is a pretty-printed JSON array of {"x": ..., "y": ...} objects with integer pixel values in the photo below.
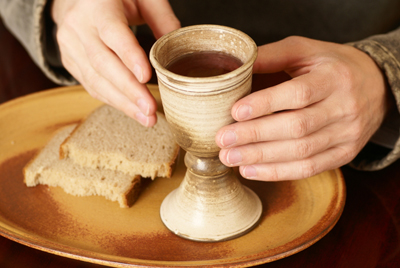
[{"x": 210, "y": 204}]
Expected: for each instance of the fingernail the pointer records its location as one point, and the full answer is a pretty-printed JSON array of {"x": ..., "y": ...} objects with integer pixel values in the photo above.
[
  {"x": 234, "y": 156},
  {"x": 243, "y": 112},
  {"x": 228, "y": 138},
  {"x": 143, "y": 106},
  {"x": 142, "y": 119},
  {"x": 249, "y": 172},
  {"x": 138, "y": 72}
]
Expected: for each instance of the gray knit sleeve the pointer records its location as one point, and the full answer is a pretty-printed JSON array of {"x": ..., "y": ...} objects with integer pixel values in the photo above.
[
  {"x": 30, "y": 23},
  {"x": 385, "y": 50}
]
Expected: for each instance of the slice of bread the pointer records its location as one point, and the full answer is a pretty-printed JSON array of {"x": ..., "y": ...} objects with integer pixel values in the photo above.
[
  {"x": 109, "y": 139},
  {"x": 47, "y": 168}
]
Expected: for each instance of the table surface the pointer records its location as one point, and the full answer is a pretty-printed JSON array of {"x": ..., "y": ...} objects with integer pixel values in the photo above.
[{"x": 366, "y": 235}]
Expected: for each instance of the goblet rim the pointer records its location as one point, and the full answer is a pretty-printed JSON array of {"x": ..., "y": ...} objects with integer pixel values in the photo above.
[{"x": 160, "y": 69}]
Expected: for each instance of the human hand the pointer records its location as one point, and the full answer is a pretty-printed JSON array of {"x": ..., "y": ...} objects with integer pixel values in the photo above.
[
  {"x": 318, "y": 120},
  {"x": 99, "y": 49}
]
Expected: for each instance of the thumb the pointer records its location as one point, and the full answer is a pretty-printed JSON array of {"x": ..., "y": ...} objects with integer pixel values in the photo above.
[
  {"x": 290, "y": 54},
  {"x": 159, "y": 15}
]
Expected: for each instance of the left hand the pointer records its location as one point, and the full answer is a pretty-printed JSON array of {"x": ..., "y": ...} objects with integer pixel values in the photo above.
[
  {"x": 100, "y": 50},
  {"x": 319, "y": 120}
]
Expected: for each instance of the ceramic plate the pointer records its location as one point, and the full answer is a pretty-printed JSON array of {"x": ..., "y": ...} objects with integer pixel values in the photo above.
[{"x": 296, "y": 214}]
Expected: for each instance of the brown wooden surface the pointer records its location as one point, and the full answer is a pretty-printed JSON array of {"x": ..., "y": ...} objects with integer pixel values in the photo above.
[{"x": 367, "y": 234}]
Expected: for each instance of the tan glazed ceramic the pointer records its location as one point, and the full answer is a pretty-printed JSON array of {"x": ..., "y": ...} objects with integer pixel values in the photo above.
[
  {"x": 295, "y": 215},
  {"x": 210, "y": 204}
]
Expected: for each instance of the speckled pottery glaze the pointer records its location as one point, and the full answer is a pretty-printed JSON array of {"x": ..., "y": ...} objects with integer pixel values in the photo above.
[{"x": 210, "y": 204}]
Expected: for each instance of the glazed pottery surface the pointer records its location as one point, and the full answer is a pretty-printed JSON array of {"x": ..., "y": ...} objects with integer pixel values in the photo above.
[
  {"x": 295, "y": 215},
  {"x": 210, "y": 204},
  {"x": 197, "y": 107}
]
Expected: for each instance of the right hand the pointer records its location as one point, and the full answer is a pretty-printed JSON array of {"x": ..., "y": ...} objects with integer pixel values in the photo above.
[
  {"x": 319, "y": 120},
  {"x": 99, "y": 49}
]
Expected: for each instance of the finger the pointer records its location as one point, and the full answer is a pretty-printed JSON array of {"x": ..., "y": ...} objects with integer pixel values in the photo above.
[
  {"x": 280, "y": 126},
  {"x": 119, "y": 38},
  {"x": 132, "y": 12},
  {"x": 327, "y": 160},
  {"x": 98, "y": 87},
  {"x": 109, "y": 66},
  {"x": 159, "y": 16},
  {"x": 282, "y": 151},
  {"x": 296, "y": 93},
  {"x": 105, "y": 92},
  {"x": 289, "y": 54}
]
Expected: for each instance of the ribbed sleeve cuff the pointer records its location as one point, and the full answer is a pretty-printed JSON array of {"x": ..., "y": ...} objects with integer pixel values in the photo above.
[
  {"x": 46, "y": 48},
  {"x": 380, "y": 49}
]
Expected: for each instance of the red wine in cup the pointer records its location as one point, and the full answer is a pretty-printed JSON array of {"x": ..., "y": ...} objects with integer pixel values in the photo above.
[{"x": 204, "y": 64}]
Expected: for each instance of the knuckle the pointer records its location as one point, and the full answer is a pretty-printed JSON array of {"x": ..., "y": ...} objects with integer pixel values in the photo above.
[
  {"x": 347, "y": 81},
  {"x": 302, "y": 94},
  {"x": 356, "y": 131},
  {"x": 106, "y": 27},
  {"x": 352, "y": 109},
  {"x": 97, "y": 59},
  {"x": 345, "y": 73},
  {"x": 295, "y": 40},
  {"x": 265, "y": 103},
  {"x": 302, "y": 149},
  {"x": 272, "y": 174},
  {"x": 126, "y": 53},
  {"x": 254, "y": 134},
  {"x": 258, "y": 156},
  {"x": 262, "y": 155},
  {"x": 298, "y": 127},
  {"x": 308, "y": 168}
]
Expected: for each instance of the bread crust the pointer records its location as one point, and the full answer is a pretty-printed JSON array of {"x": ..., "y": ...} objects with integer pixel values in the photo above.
[
  {"x": 132, "y": 194},
  {"x": 24, "y": 170},
  {"x": 63, "y": 152}
]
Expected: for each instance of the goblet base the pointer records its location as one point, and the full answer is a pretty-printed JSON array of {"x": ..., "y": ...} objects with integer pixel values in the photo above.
[{"x": 211, "y": 208}]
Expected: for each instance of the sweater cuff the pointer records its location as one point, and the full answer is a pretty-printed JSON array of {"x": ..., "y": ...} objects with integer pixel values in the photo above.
[
  {"x": 49, "y": 59},
  {"x": 30, "y": 23},
  {"x": 374, "y": 157}
]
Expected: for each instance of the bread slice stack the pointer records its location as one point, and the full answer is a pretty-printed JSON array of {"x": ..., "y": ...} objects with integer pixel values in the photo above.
[{"x": 107, "y": 154}]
